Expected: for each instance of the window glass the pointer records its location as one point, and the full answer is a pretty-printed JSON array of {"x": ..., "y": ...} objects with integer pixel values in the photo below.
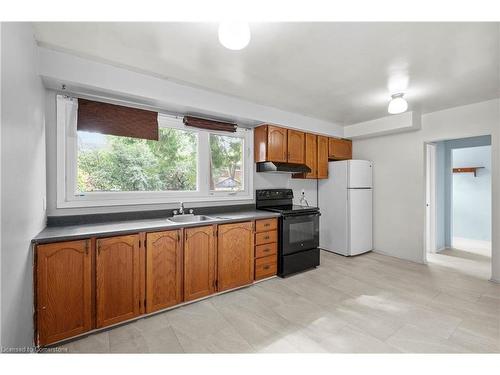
[
  {"x": 226, "y": 163},
  {"x": 108, "y": 163}
]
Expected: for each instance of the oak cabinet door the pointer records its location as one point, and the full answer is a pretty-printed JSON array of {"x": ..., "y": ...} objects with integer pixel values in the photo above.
[
  {"x": 276, "y": 144},
  {"x": 296, "y": 147},
  {"x": 322, "y": 157},
  {"x": 118, "y": 279},
  {"x": 312, "y": 155},
  {"x": 199, "y": 262},
  {"x": 63, "y": 290},
  {"x": 340, "y": 149},
  {"x": 235, "y": 253},
  {"x": 163, "y": 270}
]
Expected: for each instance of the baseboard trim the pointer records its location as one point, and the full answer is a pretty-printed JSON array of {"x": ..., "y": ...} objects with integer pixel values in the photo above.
[{"x": 421, "y": 261}]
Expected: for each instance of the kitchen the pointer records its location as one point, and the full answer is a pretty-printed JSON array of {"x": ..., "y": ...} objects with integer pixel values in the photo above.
[{"x": 155, "y": 204}]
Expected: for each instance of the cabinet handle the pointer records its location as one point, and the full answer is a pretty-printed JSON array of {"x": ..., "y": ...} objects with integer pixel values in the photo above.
[
  {"x": 87, "y": 247},
  {"x": 266, "y": 250},
  {"x": 266, "y": 267},
  {"x": 266, "y": 237},
  {"x": 267, "y": 225}
]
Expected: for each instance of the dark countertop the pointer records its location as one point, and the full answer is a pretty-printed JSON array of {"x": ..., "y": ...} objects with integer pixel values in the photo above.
[{"x": 112, "y": 228}]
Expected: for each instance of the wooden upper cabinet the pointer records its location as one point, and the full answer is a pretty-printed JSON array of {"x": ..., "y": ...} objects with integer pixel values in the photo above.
[
  {"x": 163, "y": 270},
  {"x": 270, "y": 144},
  {"x": 235, "y": 253},
  {"x": 340, "y": 149},
  {"x": 276, "y": 144},
  {"x": 311, "y": 157},
  {"x": 322, "y": 157},
  {"x": 273, "y": 143},
  {"x": 296, "y": 147},
  {"x": 63, "y": 290},
  {"x": 118, "y": 279},
  {"x": 199, "y": 262}
]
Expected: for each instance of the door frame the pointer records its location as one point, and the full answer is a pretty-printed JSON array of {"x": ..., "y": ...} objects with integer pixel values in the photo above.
[{"x": 430, "y": 200}]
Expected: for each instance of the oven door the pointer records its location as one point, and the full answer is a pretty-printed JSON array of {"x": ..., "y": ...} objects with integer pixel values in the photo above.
[{"x": 299, "y": 232}]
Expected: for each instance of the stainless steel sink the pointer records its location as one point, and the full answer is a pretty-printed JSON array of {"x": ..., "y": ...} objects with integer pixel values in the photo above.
[{"x": 189, "y": 218}]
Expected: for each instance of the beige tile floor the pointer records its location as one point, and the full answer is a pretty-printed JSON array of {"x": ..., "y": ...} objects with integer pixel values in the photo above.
[{"x": 367, "y": 304}]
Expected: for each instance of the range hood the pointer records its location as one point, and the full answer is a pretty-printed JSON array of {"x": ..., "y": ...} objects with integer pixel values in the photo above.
[{"x": 278, "y": 167}]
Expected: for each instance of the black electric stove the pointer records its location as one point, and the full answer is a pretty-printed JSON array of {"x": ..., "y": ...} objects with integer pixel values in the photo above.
[{"x": 298, "y": 238}]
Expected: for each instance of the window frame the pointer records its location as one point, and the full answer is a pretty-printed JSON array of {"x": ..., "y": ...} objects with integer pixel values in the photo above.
[{"x": 67, "y": 154}]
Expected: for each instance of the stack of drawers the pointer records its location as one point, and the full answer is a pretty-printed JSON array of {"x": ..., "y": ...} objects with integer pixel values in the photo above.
[{"x": 266, "y": 248}]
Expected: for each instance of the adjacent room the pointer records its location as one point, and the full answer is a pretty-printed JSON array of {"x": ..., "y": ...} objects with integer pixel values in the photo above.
[
  {"x": 459, "y": 204},
  {"x": 261, "y": 187}
]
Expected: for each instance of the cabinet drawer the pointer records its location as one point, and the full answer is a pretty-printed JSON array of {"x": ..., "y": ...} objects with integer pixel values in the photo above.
[
  {"x": 265, "y": 267},
  {"x": 265, "y": 225},
  {"x": 266, "y": 249},
  {"x": 266, "y": 237}
]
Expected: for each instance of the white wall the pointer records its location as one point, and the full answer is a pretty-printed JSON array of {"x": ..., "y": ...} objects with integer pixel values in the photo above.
[
  {"x": 285, "y": 181},
  {"x": 0, "y": 183},
  {"x": 472, "y": 195},
  {"x": 400, "y": 123},
  {"x": 399, "y": 177},
  {"x": 96, "y": 78},
  {"x": 22, "y": 179}
]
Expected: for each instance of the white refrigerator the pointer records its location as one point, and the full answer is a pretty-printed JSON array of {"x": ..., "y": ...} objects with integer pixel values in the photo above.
[{"x": 345, "y": 202}]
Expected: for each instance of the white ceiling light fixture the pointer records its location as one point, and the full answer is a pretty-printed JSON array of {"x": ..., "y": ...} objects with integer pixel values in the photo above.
[
  {"x": 398, "y": 104},
  {"x": 234, "y": 35}
]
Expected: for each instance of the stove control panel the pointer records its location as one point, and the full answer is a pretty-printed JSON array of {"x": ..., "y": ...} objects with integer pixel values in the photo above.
[{"x": 274, "y": 194}]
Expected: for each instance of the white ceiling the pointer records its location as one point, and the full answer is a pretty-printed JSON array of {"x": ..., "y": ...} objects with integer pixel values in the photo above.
[{"x": 341, "y": 72}]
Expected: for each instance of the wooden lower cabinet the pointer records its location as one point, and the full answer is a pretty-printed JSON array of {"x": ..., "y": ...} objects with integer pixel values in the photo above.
[
  {"x": 118, "y": 293},
  {"x": 94, "y": 283},
  {"x": 163, "y": 270},
  {"x": 63, "y": 290},
  {"x": 266, "y": 248},
  {"x": 266, "y": 237},
  {"x": 265, "y": 267},
  {"x": 235, "y": 253},
  {"x": 199, "y": 262}
]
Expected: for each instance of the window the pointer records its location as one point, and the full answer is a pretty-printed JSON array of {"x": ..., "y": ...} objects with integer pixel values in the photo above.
[
  {"x": 112, "y": 163},
  {"x": 185, "y": 164},
  {"x": 226, "y": 163}
]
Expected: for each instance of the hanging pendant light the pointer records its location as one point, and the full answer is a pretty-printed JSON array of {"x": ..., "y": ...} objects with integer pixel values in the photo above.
[
  {"x": 234, "y": 35},
  {"x": 398, "y": 104}
]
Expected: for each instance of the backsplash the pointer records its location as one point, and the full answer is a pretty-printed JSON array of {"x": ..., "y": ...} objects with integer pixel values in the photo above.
[{"x": 283, "y": 180}]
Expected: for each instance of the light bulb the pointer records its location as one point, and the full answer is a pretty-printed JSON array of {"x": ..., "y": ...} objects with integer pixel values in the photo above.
[
  {"x": 234, "y": 35},
  {"x": 398, "y": 104}
]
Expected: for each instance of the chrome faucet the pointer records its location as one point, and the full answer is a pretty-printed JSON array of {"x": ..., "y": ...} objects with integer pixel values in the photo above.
[{"x": 181, "y": 208}]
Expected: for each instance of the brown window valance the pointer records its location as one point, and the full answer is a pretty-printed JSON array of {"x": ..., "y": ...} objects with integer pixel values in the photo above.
[
  {"x": 118, "y": 120},
  {"x": 202, "y": 123}
]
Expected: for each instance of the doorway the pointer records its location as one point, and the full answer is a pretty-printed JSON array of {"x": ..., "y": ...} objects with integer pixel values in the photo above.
[
  {"x": 458, "y": 205},
  {"x": 430, "y": 198}
]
